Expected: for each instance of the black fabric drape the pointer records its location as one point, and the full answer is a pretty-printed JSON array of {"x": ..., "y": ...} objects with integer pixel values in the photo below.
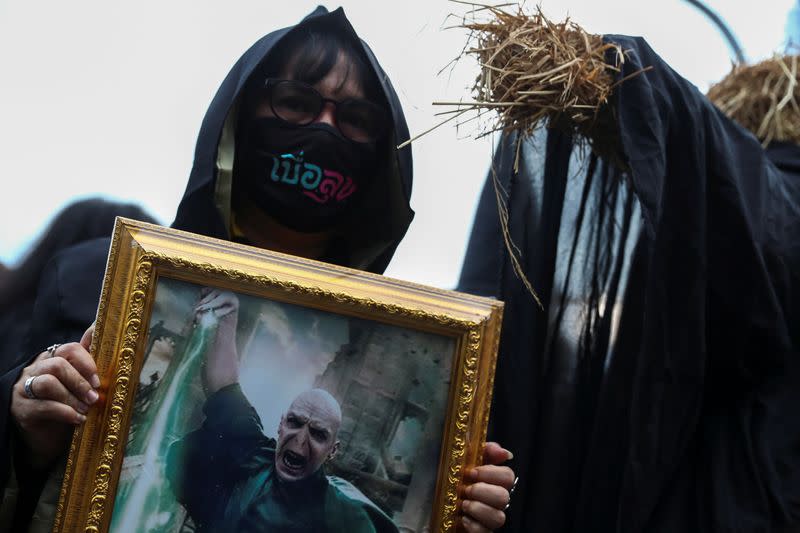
[{"x": 656, "y": 389}]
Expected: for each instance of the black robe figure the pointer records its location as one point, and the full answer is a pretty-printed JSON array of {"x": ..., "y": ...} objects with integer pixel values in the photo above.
[
  {"x": 658, "y": 390},
  {"x": 67, "y": 300}
]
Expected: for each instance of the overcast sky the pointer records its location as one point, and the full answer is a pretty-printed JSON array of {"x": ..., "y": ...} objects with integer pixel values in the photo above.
[{"x": 106, "y": 98}]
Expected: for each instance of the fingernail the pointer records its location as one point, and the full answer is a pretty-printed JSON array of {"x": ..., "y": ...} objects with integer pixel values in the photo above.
[
  {"x": 83, "y": 408},
  {"x": 510, "y": 455},
  {"x": 92, "y": 396},
  {"x": 472, "y": 475},
  {"x": 81, "y": 419},
  {"x": 95, "y": 381}
]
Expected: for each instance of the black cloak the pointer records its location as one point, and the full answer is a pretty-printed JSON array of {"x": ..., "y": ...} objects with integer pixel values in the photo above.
[
  {"x": 658, "y": 390},
  {"x": 70, "y": 291}
]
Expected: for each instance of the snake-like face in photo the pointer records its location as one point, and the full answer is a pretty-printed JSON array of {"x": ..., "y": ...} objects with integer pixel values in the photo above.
[{"x": 307, "y": 435}]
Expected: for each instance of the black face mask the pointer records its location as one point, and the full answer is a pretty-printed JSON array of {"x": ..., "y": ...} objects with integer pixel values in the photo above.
[{"x": 308, "y": 178}]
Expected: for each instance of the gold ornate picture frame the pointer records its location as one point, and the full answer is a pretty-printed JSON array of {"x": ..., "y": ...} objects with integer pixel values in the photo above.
[{"x": 409, "y": 368}]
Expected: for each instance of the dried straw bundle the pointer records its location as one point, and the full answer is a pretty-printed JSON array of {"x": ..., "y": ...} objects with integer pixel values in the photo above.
[
  {"x": 763, "y": 98},
  {"x": 535, "y": 71},
  {"x": 533, "y": 68}
]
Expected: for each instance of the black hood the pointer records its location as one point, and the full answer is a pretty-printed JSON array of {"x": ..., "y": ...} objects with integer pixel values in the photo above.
[{"x": 383, "y": 217}]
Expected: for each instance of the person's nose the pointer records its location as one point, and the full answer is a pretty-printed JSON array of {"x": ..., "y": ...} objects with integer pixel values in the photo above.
[
  {"x": 302, "y": 437},
  {"x": 328, "y": 114}
]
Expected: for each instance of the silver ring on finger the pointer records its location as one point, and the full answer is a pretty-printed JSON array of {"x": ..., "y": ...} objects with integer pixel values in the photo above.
[
  {"x": 52, "y": 349},
  {"x": 511, "y": 493},
  {"x": 29, "y": 388}
]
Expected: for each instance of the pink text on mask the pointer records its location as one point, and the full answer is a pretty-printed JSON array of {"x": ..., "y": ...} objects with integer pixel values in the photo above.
[{"x": 321, "y": 185}]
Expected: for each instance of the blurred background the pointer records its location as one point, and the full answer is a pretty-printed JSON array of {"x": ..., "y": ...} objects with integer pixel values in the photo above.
[{"x": 106, "y": 98}]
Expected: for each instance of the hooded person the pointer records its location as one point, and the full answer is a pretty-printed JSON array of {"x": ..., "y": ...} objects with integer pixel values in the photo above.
[
  {"x": 79, "y": 221},
  {"x": 661, "y": 376},
  {"x": 296, "y": 153}
]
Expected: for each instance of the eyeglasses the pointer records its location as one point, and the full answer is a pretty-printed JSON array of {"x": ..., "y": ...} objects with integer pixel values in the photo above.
[{"x": 301, "y": 104}]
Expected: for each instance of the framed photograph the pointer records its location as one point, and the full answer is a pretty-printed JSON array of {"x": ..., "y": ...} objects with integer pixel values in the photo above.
[{"x": 244, "y": 390}]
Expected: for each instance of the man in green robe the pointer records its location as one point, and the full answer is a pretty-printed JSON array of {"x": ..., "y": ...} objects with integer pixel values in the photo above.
[{"x": 231, "y": 477}]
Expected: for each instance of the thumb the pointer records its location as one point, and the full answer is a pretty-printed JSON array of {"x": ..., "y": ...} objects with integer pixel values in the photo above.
[{"x": 86, "y": 340}]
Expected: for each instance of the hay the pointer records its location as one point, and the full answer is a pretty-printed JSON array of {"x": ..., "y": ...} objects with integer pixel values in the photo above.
[
  {"x": 535, "y": 71},
  {"x": 763, "y": 98}
]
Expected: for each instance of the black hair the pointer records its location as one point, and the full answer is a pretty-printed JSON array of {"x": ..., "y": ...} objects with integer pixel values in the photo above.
[
  {"x": 79, "y": 221},
  {"x": 309, "y": 53}
]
